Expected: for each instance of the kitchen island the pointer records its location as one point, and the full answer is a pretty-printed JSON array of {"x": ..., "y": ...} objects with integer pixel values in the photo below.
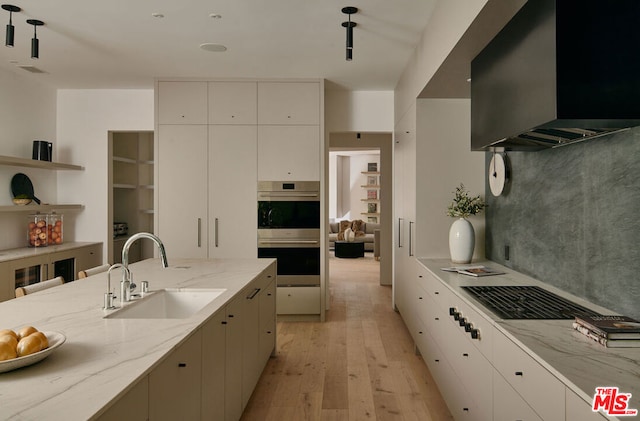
[
  {"x": 509, "y": 368},
  {"x": 104, "y": 359}
]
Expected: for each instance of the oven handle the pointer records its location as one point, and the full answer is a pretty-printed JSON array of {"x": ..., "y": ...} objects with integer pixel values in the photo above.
[
  {"x": 288, "y": 195},
  {"x": 289, "y": 241}
]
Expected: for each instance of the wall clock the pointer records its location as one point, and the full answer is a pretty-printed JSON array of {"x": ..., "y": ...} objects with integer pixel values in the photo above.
[{"x": 498, "y": 173}]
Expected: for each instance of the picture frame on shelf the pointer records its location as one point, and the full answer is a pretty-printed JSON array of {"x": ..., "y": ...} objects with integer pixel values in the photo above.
[
  {"x": 372, "y": 166},
  {"x": 372, "y": 180},
  {"x": 372, "y": 194},
  {"x": 372, "y": 207}
]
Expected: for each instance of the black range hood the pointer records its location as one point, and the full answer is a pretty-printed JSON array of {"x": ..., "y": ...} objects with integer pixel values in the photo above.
[{"x": 561, "y": 71}]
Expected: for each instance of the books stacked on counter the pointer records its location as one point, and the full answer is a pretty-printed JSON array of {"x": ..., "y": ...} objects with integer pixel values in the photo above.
[{"x": 610, "y": 331}]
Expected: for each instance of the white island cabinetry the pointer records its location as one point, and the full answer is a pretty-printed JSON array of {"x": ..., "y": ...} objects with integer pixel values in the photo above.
[{"x": 211, "y": 374}]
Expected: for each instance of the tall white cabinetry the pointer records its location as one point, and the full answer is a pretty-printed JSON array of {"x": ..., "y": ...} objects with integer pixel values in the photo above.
[
  {"x": 207, "y": 178},
  {"x": 289, "y": 131},
  {"x": 405, "y": 205},
  {"x": 182, "y": 189}
]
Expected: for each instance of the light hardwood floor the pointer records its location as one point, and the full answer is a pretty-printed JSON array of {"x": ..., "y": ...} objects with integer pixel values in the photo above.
[{"x": 358, "y": 365}]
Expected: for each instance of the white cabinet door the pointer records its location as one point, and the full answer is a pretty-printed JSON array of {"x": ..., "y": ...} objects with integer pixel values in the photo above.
[
  {"x": 182, "y": 189},
  {"x": 233, "y": 102},
  {"x": 134, "y": 405},
  {"x": 233, "y": 360},
  {"x": 288, "y": 153},
  {"x": 289, "y": 103},
  {"x": 175, "y": 384},
  {"x": 268, "y": 321},
  {"x": 251, "y": 368},
  {"x": 232, "y": 191},
  {"x": 182, "y": 102},
  {"x": 213, "y": 367}
]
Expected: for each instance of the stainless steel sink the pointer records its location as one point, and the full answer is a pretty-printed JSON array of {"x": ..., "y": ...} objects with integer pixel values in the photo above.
[{"x": 170, "y": 303}]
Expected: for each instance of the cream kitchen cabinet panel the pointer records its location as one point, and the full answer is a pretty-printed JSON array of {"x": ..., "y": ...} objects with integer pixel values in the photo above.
[
  {"x": 233, "y": 102},
  {"x": 232, "y": 191},
  {"x": 578, "y": 409},
  {"x": 268, "y": 320},
  {"x": 133, "y": 406},
  {"x": 214, "y": 346},
  {"x": 182, "y": 102},
  {"x": 182, "y": 189},
  {"x": 288, "y": 153},
  {"x": 175, "y": 384},
  {"x": 508, "y": 405},
  {"x": 537, "y": 386},
  {"x": 289, "y": 103},
  {"x": 298, "y": 300},
  {"x": 251, "y": 367},
  {"x": 233, "y": 360}
]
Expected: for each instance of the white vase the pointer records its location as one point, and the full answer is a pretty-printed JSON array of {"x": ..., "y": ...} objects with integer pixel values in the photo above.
[{"x": 462, "y": 240}]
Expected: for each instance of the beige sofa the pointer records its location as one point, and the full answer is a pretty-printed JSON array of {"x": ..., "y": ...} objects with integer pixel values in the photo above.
[{"x": 368, "y": 238}]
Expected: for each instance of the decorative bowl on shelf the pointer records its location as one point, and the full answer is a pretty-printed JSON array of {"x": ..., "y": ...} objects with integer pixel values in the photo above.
[{"x": 21, "y": 201}]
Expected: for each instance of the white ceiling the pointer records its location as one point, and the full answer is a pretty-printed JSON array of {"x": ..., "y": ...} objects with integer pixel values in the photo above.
[{"x": 119, "y": 44}]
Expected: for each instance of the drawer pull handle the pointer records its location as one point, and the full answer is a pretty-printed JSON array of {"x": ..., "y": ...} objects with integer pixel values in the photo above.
[
  {"x": 465, "y": 354},
  {"x": 253, "y": 294},
  {"x": 182, "y": 364},
  {"x": 519, "y": 373},
  {"x": 419, "y": 276},
  {"x": 419, "y": 298},
  {"x": 437, "y": 361},
  {"x": 465, "y": 409},
  {"x": 437, "y": 293},
  {"x": 223, "y": 322}
]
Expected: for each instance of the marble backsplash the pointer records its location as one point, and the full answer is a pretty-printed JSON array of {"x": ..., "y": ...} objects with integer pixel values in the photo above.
[{"x": 571, "y": 218}]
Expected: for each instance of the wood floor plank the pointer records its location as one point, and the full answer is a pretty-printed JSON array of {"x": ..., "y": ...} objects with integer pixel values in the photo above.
[{"x": 359, "y": 364}]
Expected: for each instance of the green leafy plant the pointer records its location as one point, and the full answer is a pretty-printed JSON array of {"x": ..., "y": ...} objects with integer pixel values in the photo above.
[{"x": 463, "y": 205}]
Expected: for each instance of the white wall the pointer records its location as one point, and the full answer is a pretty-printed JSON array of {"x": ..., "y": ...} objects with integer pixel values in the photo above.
[
  {"x": 445, "y": 161},
  {"x": 352, "y": 111},
  {"x": 27, "y": 113},
  {"x": 84, "y": 120},
  {"x": 448, "y": 22}
]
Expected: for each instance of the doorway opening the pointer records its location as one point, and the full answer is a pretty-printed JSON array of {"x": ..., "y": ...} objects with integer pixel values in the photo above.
[{"x": 358, "y": 192}]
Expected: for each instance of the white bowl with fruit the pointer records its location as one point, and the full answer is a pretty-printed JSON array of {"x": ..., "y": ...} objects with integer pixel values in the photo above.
[{"x": 26, "y": 346}]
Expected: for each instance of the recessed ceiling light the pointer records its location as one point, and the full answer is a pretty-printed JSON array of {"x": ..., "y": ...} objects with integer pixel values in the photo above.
[
  {"x": 214, "y": 48},
  {"x": 157, "y": 15}
]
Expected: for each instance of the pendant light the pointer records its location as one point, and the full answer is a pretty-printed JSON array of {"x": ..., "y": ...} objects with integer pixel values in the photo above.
[
  {"x": 349, "y": 10},
  {"x": 35, "y": 43},
  {"x": 10, "y": 28}
]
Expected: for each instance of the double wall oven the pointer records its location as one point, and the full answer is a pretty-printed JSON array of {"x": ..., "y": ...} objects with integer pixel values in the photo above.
[{"x": 289, "y": 229}]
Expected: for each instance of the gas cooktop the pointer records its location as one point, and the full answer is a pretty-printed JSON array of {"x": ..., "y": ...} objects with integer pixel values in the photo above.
[{"x": 526, "y": 302}]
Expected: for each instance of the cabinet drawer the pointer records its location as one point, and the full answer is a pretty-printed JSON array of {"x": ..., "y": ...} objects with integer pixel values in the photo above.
[
  {"x": 508, "y": 405},
  {"x": 578, "y": 409},
  {"x": 539, "y": 388},
  {"x": 298, "y": 300}
]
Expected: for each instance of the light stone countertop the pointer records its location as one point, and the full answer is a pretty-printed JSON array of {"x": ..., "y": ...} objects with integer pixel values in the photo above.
[
  {"x": 22, "y": 252},
  {"x": 579, "y": 362},
  {"x": 102, "y": 358}
]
